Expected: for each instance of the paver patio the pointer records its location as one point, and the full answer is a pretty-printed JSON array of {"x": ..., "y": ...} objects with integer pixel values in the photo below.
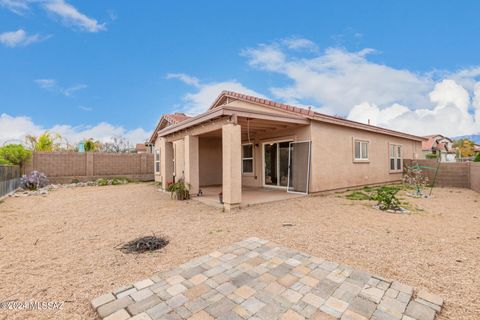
[{"x": 258, "y": 279}]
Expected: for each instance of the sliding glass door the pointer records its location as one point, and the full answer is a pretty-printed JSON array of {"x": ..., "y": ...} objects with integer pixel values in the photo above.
[{"x": 276, "y": 164}]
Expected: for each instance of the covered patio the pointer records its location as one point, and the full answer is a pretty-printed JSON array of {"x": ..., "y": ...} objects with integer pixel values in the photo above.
[
  {"x": 250, "y": 196},
  {"x": 244, "y": 153}
]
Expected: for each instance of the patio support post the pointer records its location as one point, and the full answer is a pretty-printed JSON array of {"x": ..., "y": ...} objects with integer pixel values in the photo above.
[
  {"x": 166, "y": 162},
  {"x": 232, "y": 166},
  {"x": 192, "y": 178}
]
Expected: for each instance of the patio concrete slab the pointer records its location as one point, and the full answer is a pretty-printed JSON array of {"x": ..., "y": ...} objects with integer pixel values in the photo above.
[
  {"x": 250, "y": 196},
  {"x": 258, "y": 279}
]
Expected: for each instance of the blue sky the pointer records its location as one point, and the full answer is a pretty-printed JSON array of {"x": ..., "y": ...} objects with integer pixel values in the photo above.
[{"x": 102, "y": 68}]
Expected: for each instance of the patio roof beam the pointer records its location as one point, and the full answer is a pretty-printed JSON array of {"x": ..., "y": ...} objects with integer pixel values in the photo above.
[{"x": 234, "y": 113}]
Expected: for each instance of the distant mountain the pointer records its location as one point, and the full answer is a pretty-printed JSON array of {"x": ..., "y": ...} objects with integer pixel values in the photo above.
[{"x": 474, "y": 137}]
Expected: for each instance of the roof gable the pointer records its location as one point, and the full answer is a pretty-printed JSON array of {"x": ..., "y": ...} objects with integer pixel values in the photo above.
[{"x": 167, "y": 120}]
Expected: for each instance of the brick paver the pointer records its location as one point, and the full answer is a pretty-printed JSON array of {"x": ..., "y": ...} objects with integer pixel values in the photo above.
[{"x": 258, "y": 279}]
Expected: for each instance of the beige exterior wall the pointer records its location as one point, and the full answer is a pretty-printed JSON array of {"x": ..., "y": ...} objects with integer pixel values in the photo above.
[
  {"x": 210, "y": 161},
  {"x": 475, "y": 176},
  {"x": 332, "y": 164},
  {"x": 332, "y": 154},
  {"x": 301, "y": 133},
  {"x": 179, "y": 157}
]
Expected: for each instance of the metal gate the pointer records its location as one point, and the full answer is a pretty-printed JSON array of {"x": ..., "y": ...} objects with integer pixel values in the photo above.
[
  {"x": 9, "y": 179},
  {"x": 299, "y": 166}
]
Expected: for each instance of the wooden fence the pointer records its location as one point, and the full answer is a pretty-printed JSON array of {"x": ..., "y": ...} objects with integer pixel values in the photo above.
[
  {"x": 65, "y": 167},
  {"x": 9, "y": 179}
]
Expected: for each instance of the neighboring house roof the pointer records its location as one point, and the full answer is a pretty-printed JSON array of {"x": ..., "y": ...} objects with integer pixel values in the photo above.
[
  {"x": 436, "y": 141},
  {"x": 476, "y": 147},
  {"x": 140, "y": 147},
  {"x": 166, "y": 120},
  {"x": 295, "y": 112}
]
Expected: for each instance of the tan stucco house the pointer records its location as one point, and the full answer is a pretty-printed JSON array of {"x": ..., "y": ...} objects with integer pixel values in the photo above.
[{"x": 244, "y": 142}]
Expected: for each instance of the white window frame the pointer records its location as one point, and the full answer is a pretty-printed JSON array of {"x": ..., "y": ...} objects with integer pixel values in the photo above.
[
  {"x": 157, "y": 160},
  {"x": 362, "y": 156},
  {"x": 249, "y": 158},
  {"x": 395, "y": 157}
]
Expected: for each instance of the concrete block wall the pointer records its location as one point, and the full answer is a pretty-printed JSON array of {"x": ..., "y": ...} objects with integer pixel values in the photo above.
[
  {"x": 63, "y": 167},
  {"x": 475, "y": 176},
  {"x": 458, "y": 175}
]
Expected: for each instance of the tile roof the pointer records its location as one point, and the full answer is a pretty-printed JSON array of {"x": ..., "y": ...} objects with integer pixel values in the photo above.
[
  {"x": 166, "y": 120},
  {"x": 309, "y": 113},
  {"x": 266, "y": 102}
]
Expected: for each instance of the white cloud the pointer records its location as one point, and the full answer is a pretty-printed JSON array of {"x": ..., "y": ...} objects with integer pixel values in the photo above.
[
  {"x": 20, "y": 38},
  {"x": 46, "y": 83},
  {"x": 348, "y": 83},
  {"x": 200, "y": 100},
  {"x": 14, "y": 129},
  {"x": 299, "y": 43},
  {"x": 450, "y": 116},
  {"x": 19, "y": 7},
  {"x": 52, "y": 85},
  {"x": 84, "y": 108},
  {"x": 184, "y": 78},
  {"x": 72, "y": 17},
  {"x": 336, "y": 79}
]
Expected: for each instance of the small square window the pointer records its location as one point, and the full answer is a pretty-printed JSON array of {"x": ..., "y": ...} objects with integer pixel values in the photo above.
[{"x": 361, "y": 150}]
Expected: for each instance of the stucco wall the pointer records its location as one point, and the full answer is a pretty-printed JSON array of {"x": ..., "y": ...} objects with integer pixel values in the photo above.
[
  {"x": 256, "y": 179},
  {"x": 475, "y": 176},
  {"x": 210, "y": 161},
  {"x": 332, "y": 165},
  {"x": 179, "y": 156}
]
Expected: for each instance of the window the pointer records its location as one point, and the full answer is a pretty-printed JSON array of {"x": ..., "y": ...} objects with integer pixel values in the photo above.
[
  {"x": 395, "y": 157},
  {"x": 361, "y": 150},
  {"x": 157, "y": 161},
  {"x": 247, "y": 158}
]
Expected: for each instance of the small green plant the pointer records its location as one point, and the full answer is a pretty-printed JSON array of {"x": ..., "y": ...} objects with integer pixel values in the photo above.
[
  {"x": 387, "y": 199},
  {"x": 102, "y": 182},
  {"x": 75, "y": 180},
  {"x": 477, "y": 158},
  {"x": 179, "y": 190},
  {"x": 431, "y": 155},
  {"x": 413, "y": 176},
  {"x": 358, "y": 195}
]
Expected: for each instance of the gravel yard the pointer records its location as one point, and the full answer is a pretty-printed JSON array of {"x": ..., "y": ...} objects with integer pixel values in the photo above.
[{"x": 63, "y": 246}]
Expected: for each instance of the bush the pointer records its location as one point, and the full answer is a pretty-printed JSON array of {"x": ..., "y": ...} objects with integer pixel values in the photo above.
[
  {"x": 477, "y": 158},
  {"x": 34, "y": 181},
  {"x": 179, "y": 189},
  {"x": 386, "y": 197},
  {"x": 431, "y": 156},
  {"x": 15, "y": 154},
  {"x": 102, "y": 182}
]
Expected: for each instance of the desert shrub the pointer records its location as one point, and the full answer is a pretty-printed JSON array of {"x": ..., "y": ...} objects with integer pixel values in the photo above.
[
  {"x": 386, "y": 197},
  {"x": 179, "y": 189},
  {"x": 15, "y": 154},
  {"x": 414, "y": 176},
  {"x": 75, "y": 180},
  {"x": 431, "y": 155},
  {"x": 477, "y": 158},
  {"x": 34, "y": 181},
  {"x": 102, "y": 182}
]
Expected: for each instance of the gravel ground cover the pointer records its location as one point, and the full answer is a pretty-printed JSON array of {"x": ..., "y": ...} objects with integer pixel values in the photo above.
[{"x": 64, "y": 246}]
